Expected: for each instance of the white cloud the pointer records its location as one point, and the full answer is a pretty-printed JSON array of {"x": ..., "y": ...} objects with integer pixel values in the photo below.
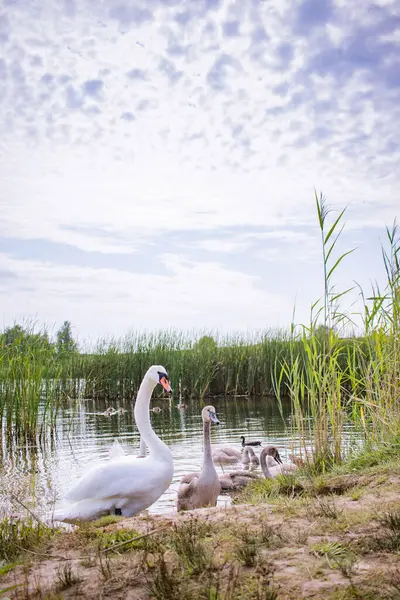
[
  {"x": 97, "y": 301},
  {"x": 224, "y": 246},
  {"x": 121, "y": 126}
]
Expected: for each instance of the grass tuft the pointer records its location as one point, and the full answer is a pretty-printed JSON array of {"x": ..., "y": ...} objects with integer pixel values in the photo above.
[
  {"x": 187, "y": 539},
  {"x": 165, "y": 582},
  {"x": 261, "y": 490},
  {"x": 66, "y": 577},
  {"x": 389, "y": 537},
  {"x": 337, "y": 555},
  {"x": 18, "y": 536}
]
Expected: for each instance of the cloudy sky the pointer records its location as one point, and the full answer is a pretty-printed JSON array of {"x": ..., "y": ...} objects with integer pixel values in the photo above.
[{"x": 158, "y": 158}]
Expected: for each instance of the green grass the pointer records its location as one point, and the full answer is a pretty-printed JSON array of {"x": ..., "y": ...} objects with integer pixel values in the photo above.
[
  {"x": 18, "y": 536},
  {"x": 389, "y": 537},
  {"x": 187, "y": 539},
  {"x": 107, "y": 540}
]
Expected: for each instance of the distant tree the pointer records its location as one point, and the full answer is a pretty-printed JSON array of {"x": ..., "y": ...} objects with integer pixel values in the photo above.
[
  {"x": 205, "y": 344},
  {"x": 13, "y": 335},
  {"x": 22, "y": 339},
  {"x": 322, "y": 331},
  {"x": 65, "y": 343}
]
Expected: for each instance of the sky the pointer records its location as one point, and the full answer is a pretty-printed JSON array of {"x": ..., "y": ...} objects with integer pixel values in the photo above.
[{"x": 158, "y": 158}]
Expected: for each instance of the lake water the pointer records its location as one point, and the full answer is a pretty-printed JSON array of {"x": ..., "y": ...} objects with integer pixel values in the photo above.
[{"x": 41, "y": 474}]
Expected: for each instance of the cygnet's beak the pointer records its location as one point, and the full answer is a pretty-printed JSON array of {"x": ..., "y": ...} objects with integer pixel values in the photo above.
[
  {"x": 213, "y": 417},
  {"x": 165, "y": 383}
]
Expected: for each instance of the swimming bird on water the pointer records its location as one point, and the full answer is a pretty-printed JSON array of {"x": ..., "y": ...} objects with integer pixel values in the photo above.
[
  {"x": 125, "y": 485},
  {"x": 109, "y": 411},
  {"x": 201, "y": 489},
  {"x": 244, "y": 443}
]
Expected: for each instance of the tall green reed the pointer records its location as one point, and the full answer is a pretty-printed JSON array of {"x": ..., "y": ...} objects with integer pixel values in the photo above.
[
  {"x": 379, "y": 407},
  {"x": 30, "y": 388},
  {"x": 335, "y": 381}
]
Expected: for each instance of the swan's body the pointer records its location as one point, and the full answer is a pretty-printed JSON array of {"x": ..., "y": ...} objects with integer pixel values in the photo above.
[
  {"x": 125, "y": 484},
  {"x": 249, "y": 456},
  {"x": 226, "y": 456},
  {"x": 244, "y": 443},
  {"x": 236, "y": 479},
  {"x": 271, "y": 468},
  {"x": 202, "y": 489}
]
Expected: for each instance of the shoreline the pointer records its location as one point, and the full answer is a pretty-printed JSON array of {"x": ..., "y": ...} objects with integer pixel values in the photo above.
[{"x": 334, "y": 536}]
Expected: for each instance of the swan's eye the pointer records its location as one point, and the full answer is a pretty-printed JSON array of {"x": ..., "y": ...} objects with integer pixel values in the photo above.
[{"x": 161, "y": 375}]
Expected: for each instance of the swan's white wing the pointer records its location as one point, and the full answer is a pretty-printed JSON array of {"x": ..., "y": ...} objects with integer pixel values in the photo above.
[{"x": 121, "y": 477}]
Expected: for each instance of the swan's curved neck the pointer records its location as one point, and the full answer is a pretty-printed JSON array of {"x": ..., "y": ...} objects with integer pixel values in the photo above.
[
  {"x": 142, "y": 448},
  {"x": 264, "y": 466},
  {"x": 208, "y": 462},
  {"x": 142, "y": 418}
]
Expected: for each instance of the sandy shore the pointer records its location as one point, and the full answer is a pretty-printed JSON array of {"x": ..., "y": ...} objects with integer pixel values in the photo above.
[{"x": 338, "y": 539}]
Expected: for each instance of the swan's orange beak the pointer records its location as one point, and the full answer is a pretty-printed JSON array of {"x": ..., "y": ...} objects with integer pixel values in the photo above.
[{"x": 165, "y": 383}]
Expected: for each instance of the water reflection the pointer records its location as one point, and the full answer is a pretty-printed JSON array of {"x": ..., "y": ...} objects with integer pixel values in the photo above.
[{"x": 39, "y": 474}]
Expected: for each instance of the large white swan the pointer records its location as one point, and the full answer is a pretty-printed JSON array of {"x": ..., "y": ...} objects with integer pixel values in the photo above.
[
  {"x": 197, "y": 490},
  {"x": 125, "y": 485}
]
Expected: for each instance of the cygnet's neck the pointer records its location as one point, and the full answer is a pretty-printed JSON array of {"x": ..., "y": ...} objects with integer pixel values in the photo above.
[
  {"x": 264, "y": 460},
  {"x": 248, "y": 454},
  {"x": 208, "y": 463}
]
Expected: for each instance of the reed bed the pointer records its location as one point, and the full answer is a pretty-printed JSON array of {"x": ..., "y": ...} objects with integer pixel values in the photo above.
[
  {"x": 213, "y": 365},
  {"x": 334, "y": 381},
  {"x": 30, "y": 384},
  {"x": 335, "y": 385}
]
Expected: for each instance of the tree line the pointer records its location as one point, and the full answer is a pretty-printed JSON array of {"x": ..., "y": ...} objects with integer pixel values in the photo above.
[{"x": 23, "y": 338}]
